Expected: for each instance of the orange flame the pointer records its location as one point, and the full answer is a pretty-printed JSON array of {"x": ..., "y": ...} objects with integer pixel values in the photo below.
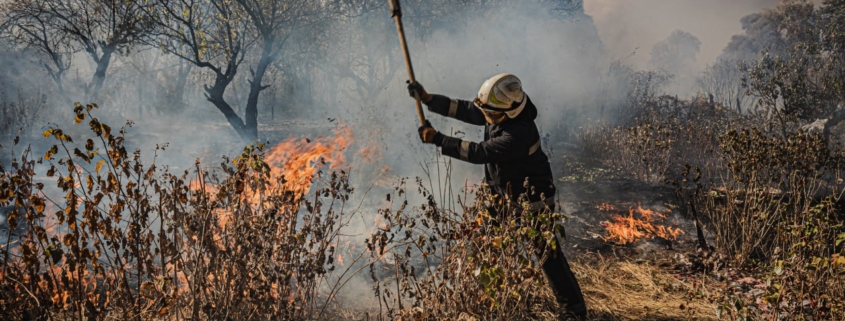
[
  {"x": 606, "y": 207},
  {"x": 629, "y": 229},
  {"x": 293, "y": 163},
  {"x": 298, "y": 160}
]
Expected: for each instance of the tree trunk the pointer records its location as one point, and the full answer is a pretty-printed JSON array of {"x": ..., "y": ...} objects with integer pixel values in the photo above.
[
  {"x": 58, "y": 78},
  {"x": 181, "y": 81},
  {"x": 215, "y": 96},
  {"x": 100, "y": 73},
  {"x": 255, "y": 88}
]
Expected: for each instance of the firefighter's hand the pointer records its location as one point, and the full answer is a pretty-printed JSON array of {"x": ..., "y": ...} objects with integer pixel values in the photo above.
[
  {"x": 415, "y": 88},
  {"x": 429, "y": 135}
]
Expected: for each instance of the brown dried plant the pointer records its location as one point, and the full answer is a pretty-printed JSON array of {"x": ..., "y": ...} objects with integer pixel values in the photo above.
[
  {"x": 470, "y": 265},
  {"x": 19, "y": 113},
  {"x": 120, "y": 239},
  {"x": 778, "y": 204},
  {"x": 665, "y": 134}
]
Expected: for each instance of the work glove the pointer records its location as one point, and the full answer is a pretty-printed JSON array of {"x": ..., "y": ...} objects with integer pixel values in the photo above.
[
  {"x": 429, "y": 135},
  {"x": 417, "y": 88}
]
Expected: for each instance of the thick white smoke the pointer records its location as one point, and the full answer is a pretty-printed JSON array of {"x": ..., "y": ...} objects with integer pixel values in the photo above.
[{"x": 558, "y": 59}]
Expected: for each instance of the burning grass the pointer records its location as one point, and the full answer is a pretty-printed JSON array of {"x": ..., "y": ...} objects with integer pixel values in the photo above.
[
  {"x": 259, "y": 238},
  {"x": 630, "y": 229},
  {"x": 769, "y": 199},
  {"x": 255, "y": 240}
]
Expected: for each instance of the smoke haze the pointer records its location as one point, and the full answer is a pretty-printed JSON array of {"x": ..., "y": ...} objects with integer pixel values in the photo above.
[
  {"x": 557, "y": 59},
  {"x": 626, "y": 26}
]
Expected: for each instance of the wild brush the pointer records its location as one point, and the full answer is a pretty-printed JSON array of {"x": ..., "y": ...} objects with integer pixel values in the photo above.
[
  {"x": 121, "y": 239},
  {"x": 472, "y": 264}
]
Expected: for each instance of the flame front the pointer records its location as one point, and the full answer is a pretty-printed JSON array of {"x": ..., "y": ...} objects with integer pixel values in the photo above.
[
  {"x": 293, "y": 166},
  {"x": 298, "y": 160},
  {"x": 629, "y": 229}
]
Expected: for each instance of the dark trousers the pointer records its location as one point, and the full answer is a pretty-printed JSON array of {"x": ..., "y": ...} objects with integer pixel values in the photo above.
[
  {"x": 557, "y": 270},
  {"x": 564, "y": 284}
]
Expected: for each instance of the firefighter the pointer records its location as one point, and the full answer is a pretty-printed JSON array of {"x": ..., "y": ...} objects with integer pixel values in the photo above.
[{"x": 514, "y": 160}]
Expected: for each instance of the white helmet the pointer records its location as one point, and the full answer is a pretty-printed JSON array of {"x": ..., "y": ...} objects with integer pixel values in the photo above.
[{"x": 501, "y": 93}]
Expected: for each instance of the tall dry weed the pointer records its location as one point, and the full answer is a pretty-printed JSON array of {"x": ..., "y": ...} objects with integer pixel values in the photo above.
[{"x": 118, "y": 238}]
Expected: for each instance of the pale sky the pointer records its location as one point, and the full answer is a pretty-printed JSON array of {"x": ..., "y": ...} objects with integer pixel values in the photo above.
[{"x": 625, "y": 25}]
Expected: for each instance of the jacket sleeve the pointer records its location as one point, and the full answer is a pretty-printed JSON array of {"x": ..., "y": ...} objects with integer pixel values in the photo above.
[
  {"x": 458, "y": 109},
  {"x": 510, "y": 145}
]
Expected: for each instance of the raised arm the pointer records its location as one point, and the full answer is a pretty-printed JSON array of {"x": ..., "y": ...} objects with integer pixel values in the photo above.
[
  {"x": 510, "y": 145},
  {"x": 458, "y": 109}
]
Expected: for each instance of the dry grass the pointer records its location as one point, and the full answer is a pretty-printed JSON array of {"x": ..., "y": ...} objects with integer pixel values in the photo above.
[
  {"x": 615, "y": 289},
  {"x": 623, "y": 290}
]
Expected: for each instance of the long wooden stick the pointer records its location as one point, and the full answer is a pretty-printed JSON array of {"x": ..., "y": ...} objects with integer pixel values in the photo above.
[{"x": 397, "y": 16}]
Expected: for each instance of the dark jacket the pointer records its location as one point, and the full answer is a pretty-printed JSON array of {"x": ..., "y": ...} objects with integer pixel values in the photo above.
[{"x": 510, "y": 150}]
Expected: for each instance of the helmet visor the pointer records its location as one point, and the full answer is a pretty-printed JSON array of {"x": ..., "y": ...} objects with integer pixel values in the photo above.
[
  {"x": 481, "y": 105},
  {"x": 492, "y": 114}
]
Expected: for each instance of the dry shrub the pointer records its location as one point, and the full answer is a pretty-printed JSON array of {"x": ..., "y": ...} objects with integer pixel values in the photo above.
[
  {"x": 770, "y": 201},
  {"x": 645, "y": 150},
  {"x": 595, "y": 141},
  {"x": 772, "y": 198},
  {"x": 120, "y": 239},
  {"x": 768, "y": 182},
  {"x": 664, "y": 135},
  {"x": 19, "y": 113},
  {"x": 446, "y": 265},
  {"x": 778, "y": 205},
  {"x": 126, "y": 240}
]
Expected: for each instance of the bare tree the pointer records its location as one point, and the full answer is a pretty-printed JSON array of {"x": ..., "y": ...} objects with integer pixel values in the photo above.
[
  {"x": 677, "y": 55},
  {"x": 723, "y": 80},
  {"x": 157, "y": 82},
  {"x": 31, "y": 31},
  {"x": 368, "y": 60},
  {"x": 210, "y": 35},
  {"x": 773, "y": 31},
  {"x": 59, "y": 28},
  {"x": 221, "y": 35},
  {"x": 275, "y": 22}
]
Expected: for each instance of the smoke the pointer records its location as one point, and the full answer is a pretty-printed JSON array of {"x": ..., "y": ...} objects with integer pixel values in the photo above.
[
  {"x": 559, "y": 60},
  {"x": 635, "y": 26},
  {"x": 358, "y": 78}
]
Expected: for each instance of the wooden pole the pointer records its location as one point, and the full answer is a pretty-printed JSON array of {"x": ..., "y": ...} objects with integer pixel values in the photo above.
[{"x": 396, "y": 11}]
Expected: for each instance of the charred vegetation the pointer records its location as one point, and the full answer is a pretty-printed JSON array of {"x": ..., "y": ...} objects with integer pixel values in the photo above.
[{"x": 686, "y": 194}]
